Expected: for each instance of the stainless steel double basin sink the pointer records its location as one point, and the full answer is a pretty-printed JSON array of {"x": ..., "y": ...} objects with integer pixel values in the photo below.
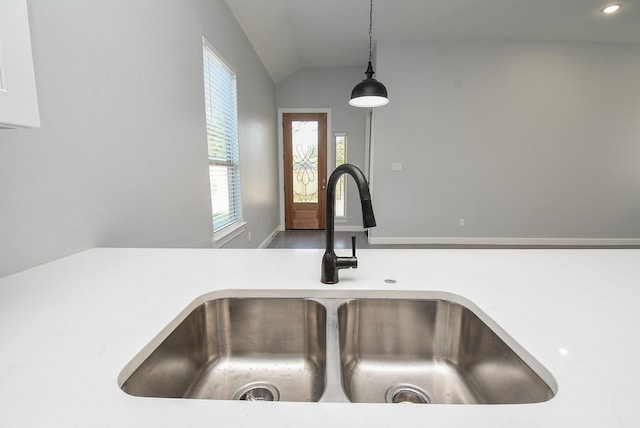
[{"x": 337, "y": 346}]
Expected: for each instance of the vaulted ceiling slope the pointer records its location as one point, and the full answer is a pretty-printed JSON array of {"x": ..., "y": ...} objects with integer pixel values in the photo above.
[{"x": 289, "y": 34}]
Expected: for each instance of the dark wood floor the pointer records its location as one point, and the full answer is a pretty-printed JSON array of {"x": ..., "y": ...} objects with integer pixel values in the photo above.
[{"x": 316, "y": 239}]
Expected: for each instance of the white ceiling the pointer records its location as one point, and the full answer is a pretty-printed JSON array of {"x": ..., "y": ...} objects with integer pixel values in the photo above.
[{"x": 289, "y": 34}]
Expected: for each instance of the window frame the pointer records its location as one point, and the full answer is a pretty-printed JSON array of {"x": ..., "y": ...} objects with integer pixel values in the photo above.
[{"x": 229, "y": 147}]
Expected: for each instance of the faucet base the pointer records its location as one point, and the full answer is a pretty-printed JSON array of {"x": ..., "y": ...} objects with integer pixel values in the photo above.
[
  {"x": 332, "y": 263},
  {"x": 329, "y": 272}
]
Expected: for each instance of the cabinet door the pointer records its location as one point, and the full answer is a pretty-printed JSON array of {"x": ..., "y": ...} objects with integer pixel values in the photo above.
[{"x": 18, "y": 99}]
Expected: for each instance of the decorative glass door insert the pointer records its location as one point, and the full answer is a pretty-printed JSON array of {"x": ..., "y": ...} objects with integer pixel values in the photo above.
[
  {"x": 305, "y": 169},
  {"x": 305, "y": 161}
]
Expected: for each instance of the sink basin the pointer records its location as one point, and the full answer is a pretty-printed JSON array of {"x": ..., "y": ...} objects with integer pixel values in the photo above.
[
  {"x": 337, "y": 346},
  {"x": 429, "y": 351},
  {"x": 236, "y": 348}
]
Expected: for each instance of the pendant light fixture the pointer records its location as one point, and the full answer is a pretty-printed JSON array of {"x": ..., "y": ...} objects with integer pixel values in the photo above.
[{"x": 369, "y": 92}]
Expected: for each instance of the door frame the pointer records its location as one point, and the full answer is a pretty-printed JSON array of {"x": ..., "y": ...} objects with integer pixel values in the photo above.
[{"x": 281, "y": 111}]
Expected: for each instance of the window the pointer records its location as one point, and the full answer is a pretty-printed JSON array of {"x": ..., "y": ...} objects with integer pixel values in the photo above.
[
  {"x": 340, "y": 156},
  {"x": 222, "y": 139}
]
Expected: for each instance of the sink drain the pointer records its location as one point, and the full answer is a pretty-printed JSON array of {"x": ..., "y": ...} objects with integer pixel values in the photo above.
[
  {"x": 407, "y": 394},
  {"x": 258, "y": 392}
]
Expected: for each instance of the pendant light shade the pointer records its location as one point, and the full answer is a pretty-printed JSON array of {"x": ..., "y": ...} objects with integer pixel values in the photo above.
[{"x": 369, "y": 92}]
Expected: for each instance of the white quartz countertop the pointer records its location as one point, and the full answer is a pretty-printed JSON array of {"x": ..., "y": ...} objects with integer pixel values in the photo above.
[{"x": 68, "y": 328}]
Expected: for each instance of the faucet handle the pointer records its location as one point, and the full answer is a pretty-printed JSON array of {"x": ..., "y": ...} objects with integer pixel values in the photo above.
[
  {"x": 353, "y": 246},
  {"x": 348, "y": 262}
]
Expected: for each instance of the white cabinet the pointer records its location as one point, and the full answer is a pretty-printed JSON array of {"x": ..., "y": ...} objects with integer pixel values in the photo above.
[{"x": 18, "y": 98}]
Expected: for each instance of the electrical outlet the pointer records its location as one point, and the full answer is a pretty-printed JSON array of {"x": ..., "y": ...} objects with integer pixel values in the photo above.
[
  {"x": 249, "y": 236},
  {"x": 461, "y": 222},
  {"x": 396, "y": 166}
]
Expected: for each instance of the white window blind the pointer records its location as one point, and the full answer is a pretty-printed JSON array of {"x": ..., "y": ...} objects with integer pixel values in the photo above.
[
  {"x": 222, "y": 138},
  {"x": 340, "y": 155}
]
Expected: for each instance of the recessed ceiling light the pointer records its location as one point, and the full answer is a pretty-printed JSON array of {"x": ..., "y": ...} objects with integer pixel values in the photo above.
[{"x": 611, "y": 8}]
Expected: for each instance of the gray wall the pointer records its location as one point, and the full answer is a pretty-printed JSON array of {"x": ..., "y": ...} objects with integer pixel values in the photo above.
[
  {"x": 531, "y": 142},
  {"x": 331, "y": 88},
  {"x": 121, "y": 158}
]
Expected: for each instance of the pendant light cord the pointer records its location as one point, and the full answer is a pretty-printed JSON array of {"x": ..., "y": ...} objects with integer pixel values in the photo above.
[{"x": 370, "y": 26}]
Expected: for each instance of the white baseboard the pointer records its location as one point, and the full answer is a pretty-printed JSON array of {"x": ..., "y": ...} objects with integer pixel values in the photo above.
[
  {"x": 269, "y": 238},
  {"x": 505, "y": 241}
]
